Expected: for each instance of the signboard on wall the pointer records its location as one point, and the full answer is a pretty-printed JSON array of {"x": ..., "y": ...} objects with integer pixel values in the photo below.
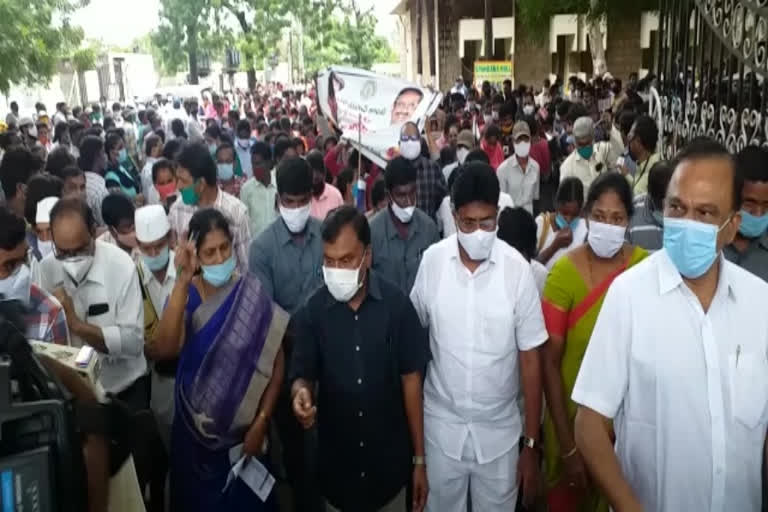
[{"x": 493, "y": 71}]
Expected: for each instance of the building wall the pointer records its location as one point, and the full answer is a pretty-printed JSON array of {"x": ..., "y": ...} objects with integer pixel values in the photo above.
[
  {"x": 624, "y": 54},
  {"x": 448, "y": 45}
]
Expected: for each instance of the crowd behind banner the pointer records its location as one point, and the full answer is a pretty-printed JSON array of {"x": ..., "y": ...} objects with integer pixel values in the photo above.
[{"x": 509, "y": 300}]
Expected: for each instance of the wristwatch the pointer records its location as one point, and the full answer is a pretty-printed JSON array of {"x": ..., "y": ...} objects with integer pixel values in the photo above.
[
  {"x": 529, "y": 442},
  {"x": 418, "y": 460}
]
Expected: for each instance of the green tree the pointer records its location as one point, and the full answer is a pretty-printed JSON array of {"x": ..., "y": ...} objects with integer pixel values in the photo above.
[
  {"x": 35, "y": 35},
  {"x": 536, "y": 15},
  {"x": 84, "y": 59}
]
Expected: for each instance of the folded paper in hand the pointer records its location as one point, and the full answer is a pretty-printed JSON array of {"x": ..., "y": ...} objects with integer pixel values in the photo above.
[{"x": 251, "y": 471}]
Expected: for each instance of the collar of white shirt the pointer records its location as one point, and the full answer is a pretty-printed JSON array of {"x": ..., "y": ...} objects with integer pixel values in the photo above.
[
  {"x": 670, "y": 278},
  {"x": 148, "y": 275}
]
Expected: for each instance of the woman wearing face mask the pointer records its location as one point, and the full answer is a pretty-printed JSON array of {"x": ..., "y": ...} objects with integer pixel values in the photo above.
[
  {"x": 118, "y": 171},
  {"x": 43, "y": 190},
  {"x": 222, "y": 327},
  {"x": 571, "y": 301},
  {"x": 228, "y": 170},
  {"x": 562, "y": 230}
]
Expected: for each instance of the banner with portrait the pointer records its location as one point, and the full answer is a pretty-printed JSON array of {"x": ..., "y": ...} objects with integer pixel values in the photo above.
[{"x": 370, "y": 109}]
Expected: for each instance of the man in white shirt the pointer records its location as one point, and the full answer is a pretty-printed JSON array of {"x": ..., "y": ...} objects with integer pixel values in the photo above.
[
  {"x": 97, "y": 285},
  {"x": 478, "y": 298},
  {"x": 157, "y": 275},
  {"x": 519, "y": 174},
  {"x": 678, "y": 360},
  {"x": 590, "y": 158}
]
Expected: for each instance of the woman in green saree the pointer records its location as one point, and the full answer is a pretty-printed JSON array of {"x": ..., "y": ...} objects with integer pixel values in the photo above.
[{"x": 571, "y": 301}]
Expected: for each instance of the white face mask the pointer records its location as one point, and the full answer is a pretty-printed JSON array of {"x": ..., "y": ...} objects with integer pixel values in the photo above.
[
  {"x": 343, "y": 283},
  {"x": 522, "y": 149},
  {"x": 461, "y": 154},
  {"x": 605, "y": 239},
  {"x": 410, "y": 149},
  {"x": 295, "y": 218},
  {"x": 77, "y": 268},
  {"x": 528, "y": 110},
  {"x": 403, "y": 214},
  {"x": 45, "y": 247},
  {"x": 16, "y": 285},
  {"x": 487, "y": 119},
  {"x": 477, "y": 244},
  {"x": 495, "y": 115}
]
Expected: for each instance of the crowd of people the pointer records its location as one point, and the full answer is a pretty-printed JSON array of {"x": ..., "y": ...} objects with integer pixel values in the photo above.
[{"x": 526, "y": 307}]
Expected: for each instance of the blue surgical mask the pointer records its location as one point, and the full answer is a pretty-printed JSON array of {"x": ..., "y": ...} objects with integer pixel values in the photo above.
[
  {"x": 159, "y": 262},
  {"x": 562, "y": 223},
  {"x": 219, "y": 275},
  {"x": 691, "y": 245},
  {"x": 122, "y": 156},
  {"x": 212, "y": 149},
  {"x": 753, "y": 226},
  {"x": 226, "y": 171}
]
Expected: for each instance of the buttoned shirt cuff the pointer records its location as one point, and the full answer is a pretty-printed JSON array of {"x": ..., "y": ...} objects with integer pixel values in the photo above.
[{"x": 112, "y": 339}]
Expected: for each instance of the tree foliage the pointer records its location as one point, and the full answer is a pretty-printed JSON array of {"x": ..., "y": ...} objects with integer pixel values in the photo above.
[{"x": 35, "y": 35}]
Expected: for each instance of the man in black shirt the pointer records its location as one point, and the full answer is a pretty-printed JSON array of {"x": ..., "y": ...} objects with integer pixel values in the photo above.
[{"x": 359, "y": 338}]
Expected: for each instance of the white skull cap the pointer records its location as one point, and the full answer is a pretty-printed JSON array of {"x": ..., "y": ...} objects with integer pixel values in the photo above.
[
  {"x": 44, "y": 207},
  {"x": 151, "y": 223}
]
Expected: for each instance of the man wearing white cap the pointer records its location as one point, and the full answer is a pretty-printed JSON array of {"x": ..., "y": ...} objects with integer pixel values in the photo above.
[
  {"x": 43, "y": 225},
  {"x": 157, "y": 276},
  {"x": 590, "y": 158}
]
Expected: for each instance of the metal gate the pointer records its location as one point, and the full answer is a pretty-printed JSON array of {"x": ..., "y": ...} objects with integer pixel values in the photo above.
[{"x": 711, "y": 69}]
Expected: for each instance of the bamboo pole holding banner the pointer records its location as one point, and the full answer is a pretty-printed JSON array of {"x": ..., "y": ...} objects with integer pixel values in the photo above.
[{"x": 359, "y": 178}]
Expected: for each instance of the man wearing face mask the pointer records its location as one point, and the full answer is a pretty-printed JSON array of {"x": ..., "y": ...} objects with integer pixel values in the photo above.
[
  {"x": 465, "y": 143},
  {"x": 646, "y": 228},
  {"x": 401, "y": 233},
  {"x": 325, "y": 197},
  {"x": 478, "y": 297},
  {"x": 97, "y": 285},
  {"x": 45, "y": 319},
  {"x": 371, "y": 433},
  {"x": 430, "y": 183},
  {"x": 705, "y": 348},
  {"x": 590, "y": 158},
  {"x": 118, "y": 212},
  {"x": 749, "y": 249},
  {"x": 507, "y": 114},
  {"x": 641, "y": 148},
  {"x": 519, "y": 174},
  {"x": 157, "y": 275},
  {"x": 196, "y": 181},
  {"x": 287, "y": 257}
]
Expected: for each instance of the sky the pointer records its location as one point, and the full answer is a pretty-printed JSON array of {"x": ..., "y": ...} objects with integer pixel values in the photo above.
[{"x": 119, "y": 22}]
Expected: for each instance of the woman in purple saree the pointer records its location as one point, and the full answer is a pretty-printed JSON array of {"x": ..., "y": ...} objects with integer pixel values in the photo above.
[{"x": 227, "y": 335}]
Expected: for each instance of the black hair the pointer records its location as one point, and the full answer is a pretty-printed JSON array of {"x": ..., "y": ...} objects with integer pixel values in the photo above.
[
  {"x": 533, "y": 125},
  {"x": 58, "y": 159},
  {"x": 242, "y": 126},
  {"x": 658, "y": 181},
  {"x": 492, "y": 131},
  {"x": 611, "y": 182},
  {"x": 74, "y": 205},
  {"x": 508, "y": 110},
  {"x": 315, "y": 160},
  {"x": 477, "y": 155},
  {"x": 196, "y": 159},
  {"x": 205, "y": 221},
  {"x": 59, "y": 130},
  {"x": 346, "y": 215},
  {"x": 261, "y": 149},
  {"x": 570, "y": 189},
  {"x": 111, "y": 141},
  {"x": 158, "y": 166},
  {"x": 518, "y": 229},
  {"x": 116, "y": 207},
  {"x": 285, "y": 124},
  {"x": 70, "y": 171},
  {"x": 447, "y": 156},
  {"x": 281, "y": 146},
  {"x": 17, "y": 167},
  {"x": 177, "y": 128},
  {"x": 576, "y": 111},
  {"x": 39, "y": 187},
  {"x": 378, "y": 192},
  {"x": 213, "y": 131},
  {"x": 173, "y": 149},
  {"x": 150, "y": 142},
  {"x": 330, "y": 138},
  {"x": 296, "y": 142},
  {"x": 627, "y": 118},
  {"x": 109, "y": 123},
  {"x": 399, "y": 171},
  {"x": 91, "y": 147},
  {"x": 225, "y": 145},
  {"x": 752, "y": 163},
  {"x": 647, "y": 131},
  {"x": 14, "y": 230},
  {"x": 701, "y": 148},
  {"x": 294, "y": 177},
  {"x": 562, "y": 109},
  {"x": 344, "y": 178},
  {"x": 476, "y": 182}
]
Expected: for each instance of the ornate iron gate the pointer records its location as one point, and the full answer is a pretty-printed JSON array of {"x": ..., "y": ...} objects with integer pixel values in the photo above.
[{"x": 712, "y": 64}]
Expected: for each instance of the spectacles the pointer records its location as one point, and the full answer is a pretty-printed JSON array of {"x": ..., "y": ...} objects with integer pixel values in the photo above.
[
  {"x": 470, "y": 225},
  {"x": 64, "y": 254},
  {"x": 406, "y": 138}
]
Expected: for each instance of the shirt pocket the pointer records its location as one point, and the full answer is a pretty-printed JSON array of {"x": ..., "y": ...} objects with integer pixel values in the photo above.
[{"x": 749, "y": 387}]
